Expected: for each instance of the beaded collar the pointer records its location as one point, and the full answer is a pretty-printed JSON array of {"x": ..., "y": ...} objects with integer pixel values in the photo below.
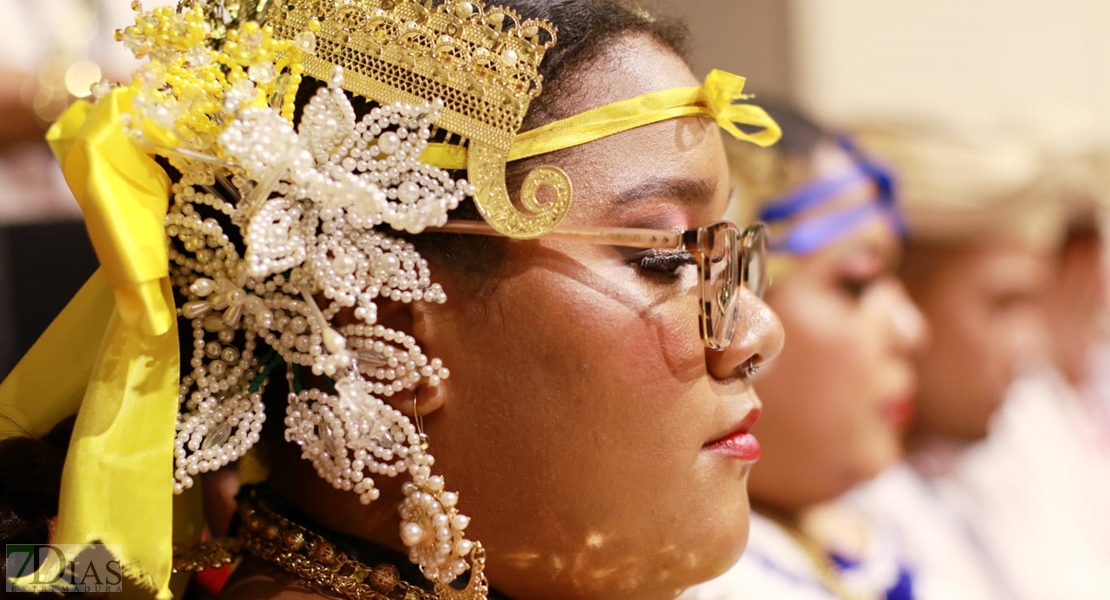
[{"x": 328, "y": 562}]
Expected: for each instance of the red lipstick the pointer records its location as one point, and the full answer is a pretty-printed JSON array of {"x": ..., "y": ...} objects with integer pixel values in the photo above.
[
  {"x": 899, "y": 412},
  {"x": 740, "y": 443}
]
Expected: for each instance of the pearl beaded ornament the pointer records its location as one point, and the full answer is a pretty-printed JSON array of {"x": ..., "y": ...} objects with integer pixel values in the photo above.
[{"x": 311, "y": 206}]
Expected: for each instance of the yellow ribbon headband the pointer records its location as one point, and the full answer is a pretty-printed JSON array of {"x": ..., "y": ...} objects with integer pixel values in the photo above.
[{"x": 720, "y": 98}]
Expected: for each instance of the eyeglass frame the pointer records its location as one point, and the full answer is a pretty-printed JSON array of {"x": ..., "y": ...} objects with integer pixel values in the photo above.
[{"x": 747, "y": 245}]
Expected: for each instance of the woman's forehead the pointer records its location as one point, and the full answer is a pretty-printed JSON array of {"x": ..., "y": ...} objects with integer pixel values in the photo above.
[
  {"x": 630, "y": 66},
  {"x": 666, "y": 174},
  {"x": 663, "y": 175}
]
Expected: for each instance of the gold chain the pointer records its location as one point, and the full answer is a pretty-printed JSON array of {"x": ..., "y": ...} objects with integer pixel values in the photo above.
[
  {"x": 317, "y": 563},
  {"x": 204, "y": 555}
]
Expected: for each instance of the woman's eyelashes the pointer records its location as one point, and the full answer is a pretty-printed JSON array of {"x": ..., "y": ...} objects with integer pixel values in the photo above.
[
  {"x": 663, "y": 262},
  {"x": 861, "y": 272},
  {"x": 854, "y": 286},
  {"x": 858, "y": 277}
]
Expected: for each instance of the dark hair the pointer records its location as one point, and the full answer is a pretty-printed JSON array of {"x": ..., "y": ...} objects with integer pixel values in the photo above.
[
  {"x": 30, "y": 481},
  {"x": 586, "y": 29},
  {"x": 801, "y": 135},
  {"x": 1081, "y": 232}
]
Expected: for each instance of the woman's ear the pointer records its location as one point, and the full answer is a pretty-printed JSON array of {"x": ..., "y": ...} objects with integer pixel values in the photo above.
[{"x": 413, "y": 318}]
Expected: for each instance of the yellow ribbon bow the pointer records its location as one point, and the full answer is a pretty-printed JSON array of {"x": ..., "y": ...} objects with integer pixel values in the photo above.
[
  {"x": 124, "y": 194},
  {"x": 723, "y": 92},
  {"x": 115, "y": 342}
]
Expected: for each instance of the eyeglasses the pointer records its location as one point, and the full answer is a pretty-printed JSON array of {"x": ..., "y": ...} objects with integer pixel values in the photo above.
[{"x": 725, "y": 255}]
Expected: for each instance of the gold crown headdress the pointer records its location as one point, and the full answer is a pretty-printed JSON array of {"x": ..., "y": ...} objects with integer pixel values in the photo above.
[
  {"x": 262, "y": 218},
  {"x": 481, "y": 62}
]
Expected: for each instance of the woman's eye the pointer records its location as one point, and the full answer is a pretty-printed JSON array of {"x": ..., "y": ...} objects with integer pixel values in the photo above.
[
  {"x": 666, "y": 262},
  {"x": 856, "y": 287}
]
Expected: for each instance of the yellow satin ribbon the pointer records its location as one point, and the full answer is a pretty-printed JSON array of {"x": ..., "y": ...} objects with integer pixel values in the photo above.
[
  {"x": 124, "y": 194},
  {"x": 115, "y": 348},
  {"x": 720, "y": 98}
]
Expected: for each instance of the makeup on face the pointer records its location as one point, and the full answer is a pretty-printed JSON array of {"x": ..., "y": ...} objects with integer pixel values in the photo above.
[{"x": 739, "y": 444}]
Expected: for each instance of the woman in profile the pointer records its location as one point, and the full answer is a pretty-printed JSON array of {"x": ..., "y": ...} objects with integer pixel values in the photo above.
[
  {"x": 579, "y": 369},
  {"x": 839, "y": 396}
]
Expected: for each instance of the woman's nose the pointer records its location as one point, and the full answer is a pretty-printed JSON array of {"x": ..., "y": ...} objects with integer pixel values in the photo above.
[{"x": 758, "y": 338}]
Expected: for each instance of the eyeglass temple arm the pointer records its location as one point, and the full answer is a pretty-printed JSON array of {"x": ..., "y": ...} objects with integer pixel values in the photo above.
[{"x": 616, "y": 236}]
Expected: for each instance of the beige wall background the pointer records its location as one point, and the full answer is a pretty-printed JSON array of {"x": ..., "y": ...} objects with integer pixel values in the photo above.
[
  {"x": 1043, "y": 66},
  {"x": 746, "y": 37}
]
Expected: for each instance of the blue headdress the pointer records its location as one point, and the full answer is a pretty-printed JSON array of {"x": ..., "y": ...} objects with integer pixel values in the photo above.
[{"x": 809, "y": 236}]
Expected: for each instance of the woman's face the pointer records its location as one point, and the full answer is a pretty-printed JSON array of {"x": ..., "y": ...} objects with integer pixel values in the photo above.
[
  {"x": 839, "y": 395},
  {"x": 581, "y": 400},
  {"x": 983, "y": 301}
]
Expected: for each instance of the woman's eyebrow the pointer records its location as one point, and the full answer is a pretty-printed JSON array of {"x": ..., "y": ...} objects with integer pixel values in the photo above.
[{"x": 695, "y": 193}]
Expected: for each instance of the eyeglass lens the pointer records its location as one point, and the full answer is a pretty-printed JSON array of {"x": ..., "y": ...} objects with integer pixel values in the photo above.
[{"x": 729, "y": 258}]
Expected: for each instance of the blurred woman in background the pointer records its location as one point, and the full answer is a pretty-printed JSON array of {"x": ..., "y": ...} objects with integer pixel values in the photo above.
[
  {"x": 983, "y": 504},
  {"x": 839, "y": 396}
]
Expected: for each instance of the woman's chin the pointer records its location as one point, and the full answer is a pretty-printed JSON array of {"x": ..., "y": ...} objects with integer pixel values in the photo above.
[
  {"x": 884, "y": 455},
  {"x": 719, "y": 556}
]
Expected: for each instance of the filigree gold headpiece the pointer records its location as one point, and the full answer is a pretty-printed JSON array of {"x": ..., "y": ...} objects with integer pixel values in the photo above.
[{"x": 482, "y": 62}]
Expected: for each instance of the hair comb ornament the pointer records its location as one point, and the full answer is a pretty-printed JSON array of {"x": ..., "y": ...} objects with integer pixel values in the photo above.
[{"x": 311, "y": 205}]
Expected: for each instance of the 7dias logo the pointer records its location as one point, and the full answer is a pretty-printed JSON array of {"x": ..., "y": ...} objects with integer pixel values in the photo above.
[{"x": 63, "y": 568}]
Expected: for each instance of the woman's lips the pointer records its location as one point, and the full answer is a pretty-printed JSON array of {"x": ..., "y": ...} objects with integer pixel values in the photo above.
[
  {"x": 898, "y": 412},
  {"x": 740, "y": 443}
]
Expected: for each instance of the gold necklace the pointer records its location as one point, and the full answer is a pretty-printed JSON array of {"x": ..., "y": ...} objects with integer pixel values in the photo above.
[{"x": 319, "y": 564}]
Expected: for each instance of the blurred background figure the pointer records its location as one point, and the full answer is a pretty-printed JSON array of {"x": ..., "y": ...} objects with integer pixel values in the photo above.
[
  {"x": 1098, "y": 363},
  {"x": 1049, "y": 446},
  {"x": 50, "y": 53},
  {"x": 1006, "y": 267},
  {"x": 1039, "y": 69},
  {"x": 836, "y": 400}
]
